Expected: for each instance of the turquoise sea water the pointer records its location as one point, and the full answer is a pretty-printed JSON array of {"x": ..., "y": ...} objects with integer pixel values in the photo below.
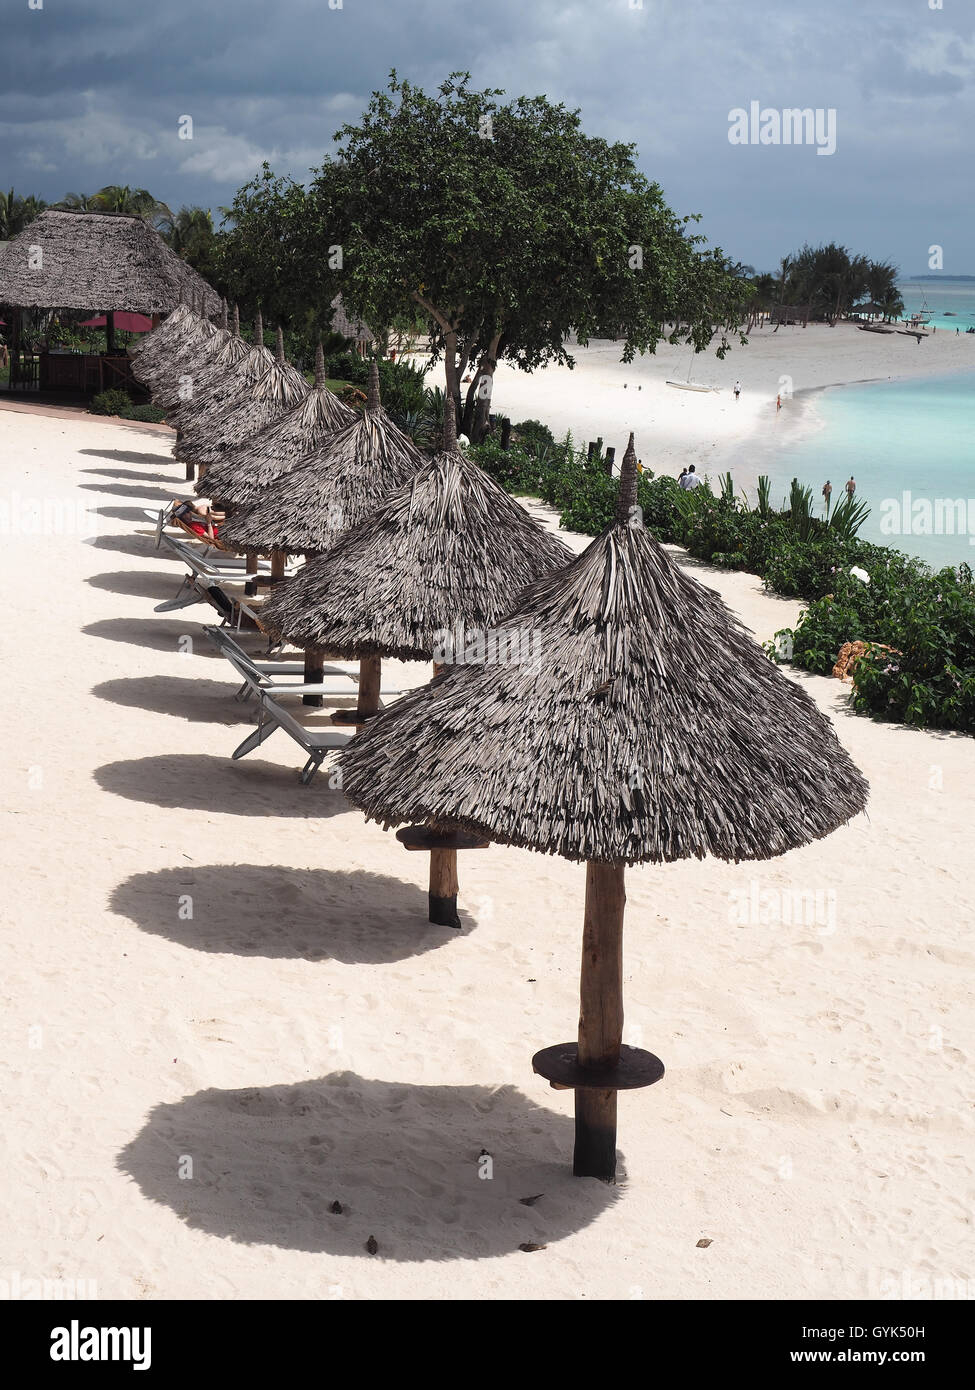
[
  {"x": 895, "y": 438},
  {"x": 950, "y": 302}
]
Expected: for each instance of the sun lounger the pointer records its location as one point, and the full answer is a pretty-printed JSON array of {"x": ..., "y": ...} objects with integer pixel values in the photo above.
[
  {"x": 316, "y": 745},
  {"x": 272, "y": 676}
]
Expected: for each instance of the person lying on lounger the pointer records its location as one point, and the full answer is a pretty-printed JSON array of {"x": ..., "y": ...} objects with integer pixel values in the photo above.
[{"x": 198, "y": 517}]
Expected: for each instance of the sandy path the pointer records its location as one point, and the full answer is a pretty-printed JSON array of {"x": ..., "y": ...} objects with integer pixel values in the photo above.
[{"x": 305, "y": 1036}]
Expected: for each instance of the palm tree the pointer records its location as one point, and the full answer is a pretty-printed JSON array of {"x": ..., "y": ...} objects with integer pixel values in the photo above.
[
  {"x": 186, "y": 228},
  {"x": 76, "y": 202},
  {"x": 134, "y": 202},
  {"x": 17, "y": 212}
]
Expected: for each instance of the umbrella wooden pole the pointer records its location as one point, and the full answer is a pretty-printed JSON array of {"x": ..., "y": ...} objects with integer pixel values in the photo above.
[
  {"x": 314, "y": 675},
  {"x": 443, "y": 888},
  {"x": 250, "y": 556},
  {"x": 277, "y": 565},
  {"x": 600, "y": 1018},
  {"x": 370, "y": 680},
  {"x": 444, "y": 884}
]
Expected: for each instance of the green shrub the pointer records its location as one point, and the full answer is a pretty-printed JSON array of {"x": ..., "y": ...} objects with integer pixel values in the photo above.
[
  {"x": 533, "y": 435},
  {"x": 111, "y": 402},
  {"x": 592, "y": 506},
  {"x": 151, "y": 414}
]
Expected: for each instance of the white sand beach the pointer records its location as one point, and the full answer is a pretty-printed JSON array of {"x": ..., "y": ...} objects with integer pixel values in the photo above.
[
  {"x": 603, "y": 397},
  {"x": 225, "y": 1010}
]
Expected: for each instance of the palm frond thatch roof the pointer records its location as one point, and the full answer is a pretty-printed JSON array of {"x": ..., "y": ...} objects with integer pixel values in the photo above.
[
  {"x": 448, "y": 544},
  {"x": 242, "y": 414},
  {"x": 190, "y": 338},
  {"x": 176, "y": 329},
  {"x": 230, "y": 374},
  {"x": 307, "y": 505},
  {"x": 641, "y": 723},
  {"x": 72, "y": 260},
  {"x": 297, "y": 434},
  {"x": 204, "y": 370},
  {"x": 356, "y": 329}
]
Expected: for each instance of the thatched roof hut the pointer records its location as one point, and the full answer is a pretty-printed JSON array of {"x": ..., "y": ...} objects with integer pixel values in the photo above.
[
  {"x": 356, "y": 330},
  {"x": 227, "y": 421},
  {"x": 650, "y": 728},
  {"x": 447, "y": 545},
  {"x": 289, "y": 440},
  {"x": 74, "y": 260}
]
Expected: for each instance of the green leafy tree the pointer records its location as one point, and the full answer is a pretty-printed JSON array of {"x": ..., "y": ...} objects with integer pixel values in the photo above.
[
  {"x": 509, "y": 228},
  {"x": 273, "y": 253}
]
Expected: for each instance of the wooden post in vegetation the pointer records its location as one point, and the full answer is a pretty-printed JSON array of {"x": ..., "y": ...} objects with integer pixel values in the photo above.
[
  {"x": 609, "y": 461},
  {"x": 505, "y": 432},
  {"x": 600, "y": 1019},
  {"x": 591, "y": 451}
]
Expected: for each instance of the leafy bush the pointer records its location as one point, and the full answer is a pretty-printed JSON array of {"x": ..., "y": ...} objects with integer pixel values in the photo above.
[
  {"x": 592, "y": 505},
  {"x": 111, "y": 402},
  {"x": 151, "y": 414},
  {"x": 533, "y": 435}
]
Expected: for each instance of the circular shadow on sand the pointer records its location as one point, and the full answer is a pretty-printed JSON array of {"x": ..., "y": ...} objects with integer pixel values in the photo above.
[
  {"x": 158, "y": 460},
  {"x": 280, "y": 913},
  {"x": 146, "y": 494},
  {"x": 251, "y": 787},
  {"x": 139, "y": 544},
  {"x": 402, "y": 1160},
  {"x": 196, "y": 699},
  {"x": 154, "y": 584}
]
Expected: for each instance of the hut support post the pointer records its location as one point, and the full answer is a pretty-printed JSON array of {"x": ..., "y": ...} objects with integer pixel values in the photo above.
[
  {"x": 314, "y": 675},
  {"x": 110, "y": 332},
  {"x": 443, "y": 888},
  {"x": 600, "y": 1018},
  {"x": 370, "y": 680},
  {"x": 250, "y": 556},
  {"x": 277, "y": 565}
]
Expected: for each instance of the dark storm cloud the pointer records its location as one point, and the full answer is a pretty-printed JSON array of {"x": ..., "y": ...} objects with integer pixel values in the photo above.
[{"x": 91, "y": 92}]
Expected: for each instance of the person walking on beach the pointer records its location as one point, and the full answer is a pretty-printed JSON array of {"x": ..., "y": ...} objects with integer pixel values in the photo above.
[
  {"x": 827, "y": 494},
  {"x": 737, "y": 389},
  {"x": 683, "y": 475},
  {"x": 851, "y": 487},
  {"x": 689, "y": 480}
]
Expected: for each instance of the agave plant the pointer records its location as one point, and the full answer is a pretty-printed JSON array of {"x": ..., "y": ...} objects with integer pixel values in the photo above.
[
  {"x": 848, "y": 516},
  {"x": 801, "y": 517}
]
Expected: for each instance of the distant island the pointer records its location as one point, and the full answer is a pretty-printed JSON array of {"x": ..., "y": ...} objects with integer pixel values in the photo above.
[{"x": 942, "y": 276}]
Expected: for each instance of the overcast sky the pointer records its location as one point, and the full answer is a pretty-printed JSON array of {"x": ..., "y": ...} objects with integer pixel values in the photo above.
[{"x": 91, "y": 92}]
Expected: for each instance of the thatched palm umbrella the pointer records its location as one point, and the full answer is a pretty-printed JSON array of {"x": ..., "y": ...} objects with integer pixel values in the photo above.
[
  {"x": 295, "y": 436},
  {"x": 150, "y": 354},
  {"x": 205, "y": 369},
  {"x": 447, "y": 548},
  {"x": 655, "y": 730},
  {"x": 313, "y": 500},
  {"x": 229, "y": 375},
  {"x": 245, "y": 410}
]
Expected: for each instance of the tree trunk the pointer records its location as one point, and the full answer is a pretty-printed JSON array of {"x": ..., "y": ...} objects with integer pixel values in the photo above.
[{"x": 482, "y": 386}]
